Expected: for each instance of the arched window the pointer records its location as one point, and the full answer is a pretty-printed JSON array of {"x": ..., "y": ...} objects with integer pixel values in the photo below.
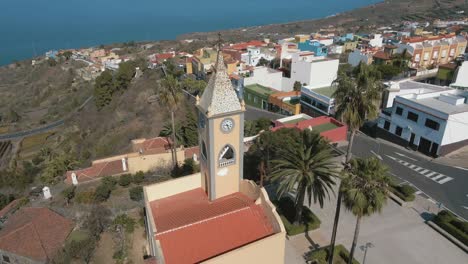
[
  {"x": 204, "y": 150},
  {"x": 226, "y": 156}
]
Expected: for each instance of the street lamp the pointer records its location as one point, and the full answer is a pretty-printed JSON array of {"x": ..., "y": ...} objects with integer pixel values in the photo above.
[{"x": 364, "y": 248}]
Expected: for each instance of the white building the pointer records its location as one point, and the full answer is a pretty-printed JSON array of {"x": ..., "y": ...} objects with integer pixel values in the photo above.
[
  {"x": 266, "y": 77},
  {"x": 434, "y": 123},
  {"x": 318, "y": 100},
  {"x": 407, "y": 86},
  {"x": 461, "y": 76},
  {"x": 376, "y": 41},
  {"x": 358, "y": 56},
  {"x": 254, "y": 54},
  {"x": 312, "y": 71}
]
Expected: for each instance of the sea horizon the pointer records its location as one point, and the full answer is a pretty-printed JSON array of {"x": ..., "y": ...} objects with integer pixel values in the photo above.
[{"x": 32, "y": 27}]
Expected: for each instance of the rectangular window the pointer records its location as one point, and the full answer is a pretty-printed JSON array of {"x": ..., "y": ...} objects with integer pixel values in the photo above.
[
  {"x": 306, "y": 99},
  {"x": 398, "y": 131},
  {"x": 417, "y": 58},
  {"x": 255, "y": 99},
  {"x": 426, "y": 56},
  {"x": 432, "y": 124},
  {"x": 412, "y": 116},
  {"x": 399, "y": 111},
  {"x": 386, "y": 125},
  {"x": 249, "y": 97},
  {"x": 452, "y": 52},
  {"x": 444, "y": 53},
  {"x": 435, "y": 55}
]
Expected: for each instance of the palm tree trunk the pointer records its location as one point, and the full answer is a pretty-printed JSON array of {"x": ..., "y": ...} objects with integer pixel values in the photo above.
[
  {"x": 174, "y": 140},
  {"x": 356, "y": 234},
  {"x": 299, "y": 203},
  {"x": 350, "y": 146},
  {"x": 335, "y": 226}
]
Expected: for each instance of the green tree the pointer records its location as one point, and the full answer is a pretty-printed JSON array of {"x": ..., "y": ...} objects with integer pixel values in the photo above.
[
  {"x": 102, "y": 193},
  {"x": 69, "y": 194},
  {"x": 262, "y": 62},
  {"x": 125, "y": 222},
  {"x": 125, "y": 180},
  {"x": 57, "y": 168},
  {"x": 190, "y": 130},
  {"x": 166, "y": 131},
  {"x": 170, "y": 96},
  {"x": 389, "y": 71},
  {"x": 81, "y": 249},
  {"x": 136, "y": 193},
  {"x": 194, "y": 86},
  {"x": 307, "y": 168},
  {"x": 356, "y": 100},
  {"x": 365, "y": 190},
  {"x": 103, "y": 89},
  {"x": 5, "y": 200},
  {"x": 297, "y": 86},
  {"x": 97, "y": 220},
  {"x": 124, "y": 75},
  {"x": 139, "y": 177}
]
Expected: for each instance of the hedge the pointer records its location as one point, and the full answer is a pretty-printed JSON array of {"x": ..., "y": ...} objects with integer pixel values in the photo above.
[
  {"x": 320, "y": 256},
  {"x": 453, "y": 225},
  {"x": 404, "y": 192},
  {"x": 287, "y": 211}
]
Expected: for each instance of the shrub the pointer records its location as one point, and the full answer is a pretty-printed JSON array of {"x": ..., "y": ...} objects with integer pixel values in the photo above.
[
  {"x": 109, "y": 181},
  {"x": 85, "y": 197},
  {"x": 125, "y": 222},
  {"x": 320, "y": 256},
  {"x": 125, "y": 180},
  {"x": 139, "y": 177},
  {"x": 136, "y": 193},
  {"x": 69, "y": 193},
  {"x": 453, "y": 225},
  {"x": 404, "y": 192},
  {"x": 102, "y": 193},
  {"x": 287, "y": 211}
]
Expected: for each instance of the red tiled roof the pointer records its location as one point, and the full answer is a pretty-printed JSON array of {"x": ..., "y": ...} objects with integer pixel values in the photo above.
[
  {"x": 36, "y": 233},
  {"x": 157, "y": 143},
  {"x": 8, "y": 207},
  {"x": 106, "y": 168},
  {"x": 245, "y": 45},
  {"x": 382, "y": 55},
  {"x": 205, "y": 229},
  {"x": 188, "y": 152}
]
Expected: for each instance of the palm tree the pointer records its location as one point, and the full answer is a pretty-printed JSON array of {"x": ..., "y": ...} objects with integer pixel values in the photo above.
[
  {"x": 357, "y": 98},
  {"x": 265, "y": 143},
  {"x": 365, "y": 191},
  {"x": 166, "y": 131},
  {"x": 170, "y": 95},
  {"x": 307, "y": 167}
]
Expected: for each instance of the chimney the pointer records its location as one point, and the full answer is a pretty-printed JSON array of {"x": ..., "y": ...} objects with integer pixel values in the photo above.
[{"x": 124, "y": 164}]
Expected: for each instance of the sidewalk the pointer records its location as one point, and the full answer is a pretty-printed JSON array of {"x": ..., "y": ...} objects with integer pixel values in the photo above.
[{"x": 399, "y": 235}]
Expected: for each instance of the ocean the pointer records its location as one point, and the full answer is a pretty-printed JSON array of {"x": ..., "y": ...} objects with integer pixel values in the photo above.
[{"x": 31, "y": 27}]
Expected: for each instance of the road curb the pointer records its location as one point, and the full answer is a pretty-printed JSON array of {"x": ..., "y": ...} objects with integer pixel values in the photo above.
[{"x": 448, "y": 236}]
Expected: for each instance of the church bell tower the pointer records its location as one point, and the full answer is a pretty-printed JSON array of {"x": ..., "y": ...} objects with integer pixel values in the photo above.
[{"x": 221, "y": 134}]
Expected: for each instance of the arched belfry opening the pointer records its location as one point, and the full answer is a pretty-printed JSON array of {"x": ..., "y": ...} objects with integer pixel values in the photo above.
[{"x": 226, "y": 156}]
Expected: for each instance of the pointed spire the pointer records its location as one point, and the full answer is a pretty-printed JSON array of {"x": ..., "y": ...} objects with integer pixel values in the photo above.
[{"x": 219, "y": 96}]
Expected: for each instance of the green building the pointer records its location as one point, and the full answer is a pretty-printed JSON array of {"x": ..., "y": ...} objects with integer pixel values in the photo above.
[{"x": 257, "y": 96}]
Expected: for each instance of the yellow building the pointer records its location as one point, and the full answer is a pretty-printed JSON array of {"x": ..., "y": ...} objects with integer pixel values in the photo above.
[{"x": 215, "y": 216}]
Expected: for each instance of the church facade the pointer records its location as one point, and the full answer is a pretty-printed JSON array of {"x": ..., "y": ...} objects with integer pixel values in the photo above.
[{"x": 214, "y": 216}]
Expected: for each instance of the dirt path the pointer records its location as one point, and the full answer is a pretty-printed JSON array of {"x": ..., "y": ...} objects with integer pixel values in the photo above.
[
  {"x": 137, "y": 244},
  {"x": 105, "y": 250}
]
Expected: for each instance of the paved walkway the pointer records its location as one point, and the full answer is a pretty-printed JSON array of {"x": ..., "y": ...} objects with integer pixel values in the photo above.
[{"x": 399, "y": 235}]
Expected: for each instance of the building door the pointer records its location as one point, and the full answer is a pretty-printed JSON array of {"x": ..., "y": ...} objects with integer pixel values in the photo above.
[
  {"x": 424, "y": 146},
  {"x": 411, "y": 141},
  {"x": 264, "y": 105},
  {"x": 434, "y": 149}
]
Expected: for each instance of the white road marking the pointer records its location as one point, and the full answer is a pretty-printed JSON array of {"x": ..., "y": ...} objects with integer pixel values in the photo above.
[
  {"x": 432, "y": 201},
  {"x": 403, "y": 155},
  {"x": 418, "y": 192},
  {"x": 445, "y": 180},
  {"x": 461, "y": 168},
  {"x": 439, "y": 177},
  {"x": 465, "y": 207},
  {"x": 377, "y": 155}
]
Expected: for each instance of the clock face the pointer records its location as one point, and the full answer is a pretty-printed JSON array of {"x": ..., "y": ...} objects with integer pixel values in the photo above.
[{"x": 227, "y": 125}]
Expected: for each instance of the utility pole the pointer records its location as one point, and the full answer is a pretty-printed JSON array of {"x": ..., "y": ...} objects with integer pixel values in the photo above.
[{"x": 364, "y": 248}]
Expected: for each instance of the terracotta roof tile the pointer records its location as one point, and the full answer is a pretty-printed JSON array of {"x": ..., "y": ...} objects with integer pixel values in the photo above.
[
  {"x": 35, "y": 233},
  {"x": 189, "y": 152},
  {"x": 106, "y": 168},
  {"x": 382, "y": 55},
  {"x": 206, "y": 229}
]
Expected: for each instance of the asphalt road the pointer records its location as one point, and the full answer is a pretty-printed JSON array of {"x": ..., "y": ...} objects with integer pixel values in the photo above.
[{"x": 445, "y": 184}]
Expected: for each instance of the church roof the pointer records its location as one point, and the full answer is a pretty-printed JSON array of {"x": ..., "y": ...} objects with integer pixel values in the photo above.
[{"x": 219, "y": 96}]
